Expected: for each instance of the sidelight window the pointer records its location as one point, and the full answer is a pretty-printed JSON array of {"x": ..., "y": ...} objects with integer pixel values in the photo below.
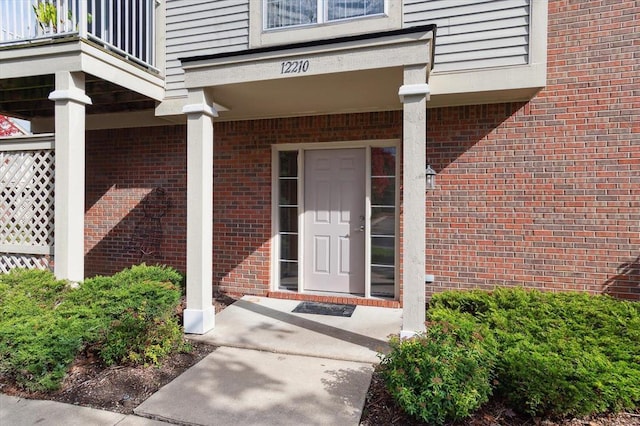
[
  {"x": 383, "y": 221},
  {"x": 288, "y": 216}
]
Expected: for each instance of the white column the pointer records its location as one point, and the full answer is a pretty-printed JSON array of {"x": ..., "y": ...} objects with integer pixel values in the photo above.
[
  {"x": 70, "y": 98},
  {"x": 413, "y": 95},
  {"x": 199, "y": 315}
]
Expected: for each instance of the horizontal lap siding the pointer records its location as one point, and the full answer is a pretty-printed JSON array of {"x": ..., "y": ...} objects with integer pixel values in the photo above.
[
  {"x": 474, "y": 33},
  {"x": 202, "y": 27}
]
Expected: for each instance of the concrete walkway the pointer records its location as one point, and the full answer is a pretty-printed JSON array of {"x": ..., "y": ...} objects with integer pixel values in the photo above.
[{"x": 273, "y": 367}]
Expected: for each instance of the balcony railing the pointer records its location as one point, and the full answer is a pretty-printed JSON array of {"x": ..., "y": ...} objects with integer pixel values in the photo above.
[{"x": 126, "y": 27}]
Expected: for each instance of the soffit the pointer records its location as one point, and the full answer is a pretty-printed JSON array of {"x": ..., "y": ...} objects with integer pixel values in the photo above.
[{"x": 28, "y": 97}]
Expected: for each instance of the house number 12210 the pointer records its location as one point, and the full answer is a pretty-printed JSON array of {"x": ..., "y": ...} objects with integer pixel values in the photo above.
[{"x": 294, "y": 67}]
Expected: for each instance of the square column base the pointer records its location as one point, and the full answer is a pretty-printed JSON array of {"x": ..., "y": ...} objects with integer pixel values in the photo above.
[{"x": 199, "y": 321}]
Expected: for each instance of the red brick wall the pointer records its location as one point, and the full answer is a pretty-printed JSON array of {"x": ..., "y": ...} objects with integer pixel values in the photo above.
[
  {"x": 242, "y": 188},
  {"x": 123, "y": 218},
  {"x": 547, "y": 194},
  {"x": 124, "y": 166},
  {"x": 543, "y": 194}
]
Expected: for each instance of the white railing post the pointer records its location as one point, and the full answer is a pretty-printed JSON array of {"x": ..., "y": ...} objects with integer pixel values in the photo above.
[
  {"x": 83, "y": 18},
  {"x": 126, "y": 27}
]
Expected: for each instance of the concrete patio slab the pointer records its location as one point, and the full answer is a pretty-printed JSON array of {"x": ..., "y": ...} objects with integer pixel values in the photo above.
[
  {"x": 270, "y": 325},
  {"x": 234, "y": 386}
]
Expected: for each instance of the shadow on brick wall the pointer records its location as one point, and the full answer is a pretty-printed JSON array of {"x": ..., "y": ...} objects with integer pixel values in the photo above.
[
  {"x": 626, "y": 284},
  {"x": 138, "y": 237},
  {"x": 453, "y": 131}
]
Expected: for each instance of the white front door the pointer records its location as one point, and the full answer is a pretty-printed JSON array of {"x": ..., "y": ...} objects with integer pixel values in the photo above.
[{"x": 334, "y": 218}]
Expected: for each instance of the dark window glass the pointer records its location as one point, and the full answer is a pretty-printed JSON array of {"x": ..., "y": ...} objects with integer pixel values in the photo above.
[
  {"x": 288, "y": 219},
  {"x": 289, "y": 276},
  {"x": 383, "y": 221},
  {"x": 382, "y": 281},
  {"x": 383, "y": 251},
  {"x": 288, "y": 192},
  {"x": 289, "y": 247},
  {"x": 288, "y": 163}
]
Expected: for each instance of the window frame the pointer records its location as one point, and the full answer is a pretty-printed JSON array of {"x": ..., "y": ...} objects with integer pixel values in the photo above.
[
  {"x": 322, "y": 13},
  {"x": 390, "y": 20}
]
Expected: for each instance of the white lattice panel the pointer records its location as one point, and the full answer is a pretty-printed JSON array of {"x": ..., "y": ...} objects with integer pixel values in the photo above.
[
  {"x": 26, "y": 207},
  {"x": 9, "y": 261}
]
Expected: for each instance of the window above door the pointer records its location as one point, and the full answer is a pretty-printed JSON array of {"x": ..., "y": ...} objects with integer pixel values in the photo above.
[
  {"x": 274, "y": 22},
  {"x": 289, "y": 13}
]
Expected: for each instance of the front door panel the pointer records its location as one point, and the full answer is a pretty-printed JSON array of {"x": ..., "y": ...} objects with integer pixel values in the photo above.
[{"x": 334, "y": 237}]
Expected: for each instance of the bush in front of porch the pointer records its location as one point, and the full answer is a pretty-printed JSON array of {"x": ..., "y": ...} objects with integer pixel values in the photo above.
[
  {"x": 126, "y": 318},
  {"x": 545, "y": 354}
]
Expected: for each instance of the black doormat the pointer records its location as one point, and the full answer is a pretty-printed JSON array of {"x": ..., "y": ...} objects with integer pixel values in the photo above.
[{"x": 317, "y": 308}]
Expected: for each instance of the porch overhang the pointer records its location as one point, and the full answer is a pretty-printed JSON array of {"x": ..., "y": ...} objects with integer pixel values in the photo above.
[
  {"x": 74, "y": 54},
  {"x": 349, "y": 74}
]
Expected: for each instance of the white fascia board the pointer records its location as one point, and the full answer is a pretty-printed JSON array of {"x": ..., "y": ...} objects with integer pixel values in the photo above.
[
  {"x": 323, "y": 62},
  {"x": 116, "y": 70},
  {"x": 488, "y": 79},
  {"x": 27, "y": 142},
  {"x": 315, "y": 50},
  {"x": 42, "y": 59},
  {"x": 79, "y": 56}
]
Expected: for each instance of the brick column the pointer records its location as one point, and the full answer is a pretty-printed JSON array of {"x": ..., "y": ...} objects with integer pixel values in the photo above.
[
  {"x": 199, "y": 315},
  {"x": 413, "y": 95},
  {"x": 70, "y": 99}
]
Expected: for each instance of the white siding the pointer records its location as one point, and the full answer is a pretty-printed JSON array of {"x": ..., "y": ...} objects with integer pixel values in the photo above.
[
  {"x": 202, "y": 27},
  {"x": 474, "y": 33}
]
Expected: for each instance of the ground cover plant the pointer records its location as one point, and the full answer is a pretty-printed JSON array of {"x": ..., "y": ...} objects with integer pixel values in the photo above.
[
  {"x": 545, "y": 354},
  {"x": 126, "y": 318}
]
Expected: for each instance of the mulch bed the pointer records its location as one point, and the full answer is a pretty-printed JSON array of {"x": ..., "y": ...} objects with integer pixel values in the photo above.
[{"x": 381, "y": 409}]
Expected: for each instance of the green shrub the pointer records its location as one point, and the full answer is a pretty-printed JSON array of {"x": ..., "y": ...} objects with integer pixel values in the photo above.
[
  {"x": 444, "y": 374},
  {"x": 37, "y": 343},
  {"x": 44, "y": 323},
  {"x": 559, "y": 354},
  {"x": 474, "y": 302},
  {"x": 135, "y": 313},
  {"x": 143, "y": 331},
  {"x": 144, "y": 272}
]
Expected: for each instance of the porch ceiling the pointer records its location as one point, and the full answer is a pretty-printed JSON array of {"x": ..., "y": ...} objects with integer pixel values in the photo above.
[
  {"x": 356, "y": 91},
  {"x": 28, "y": 97}
]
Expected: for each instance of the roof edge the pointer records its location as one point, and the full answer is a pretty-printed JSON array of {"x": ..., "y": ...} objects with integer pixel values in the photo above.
[{"x": 314, "y": 43}]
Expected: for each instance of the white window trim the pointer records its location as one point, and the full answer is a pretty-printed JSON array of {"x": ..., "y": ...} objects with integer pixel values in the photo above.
[
  {"x": 258, "y": 36},
  {"x": 322, "y": 12},
  {"x": 275, "y": 232}
]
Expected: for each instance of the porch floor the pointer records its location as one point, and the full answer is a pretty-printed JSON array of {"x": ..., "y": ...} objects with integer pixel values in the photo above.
[
  {"x": 269, "y": 324},
  {"x": 279, "y": 367}
]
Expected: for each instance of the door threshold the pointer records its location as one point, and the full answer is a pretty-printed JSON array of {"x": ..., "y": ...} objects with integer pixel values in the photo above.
[{"x": 335, "y": 298}]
